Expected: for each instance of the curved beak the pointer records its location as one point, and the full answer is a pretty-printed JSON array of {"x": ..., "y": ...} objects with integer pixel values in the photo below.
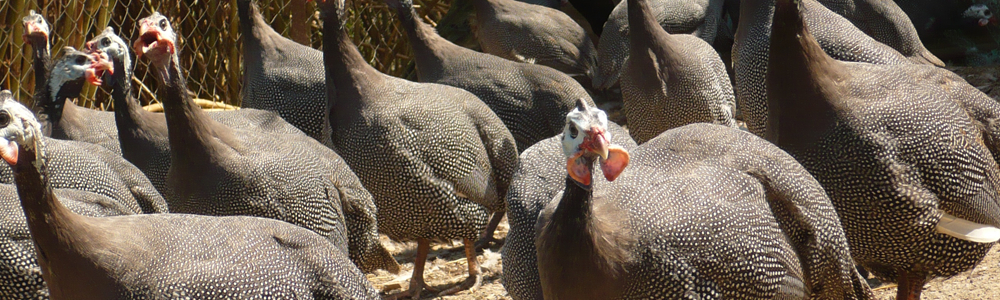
[
  {"x": 151, "y": 38},
  {"x": 596, "y": 142}
]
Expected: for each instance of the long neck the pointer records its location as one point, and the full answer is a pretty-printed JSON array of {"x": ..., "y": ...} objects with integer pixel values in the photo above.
[
  {"x": 803, "y": 82},
  {"x": 43, "y": 92},
  {"x": 134, "y": 123},
  {"x": 49, "y": 221},
  {"x": 646, "y": 33},
  {"x": 348, "y": 76},
  {"x": 42, "y": 64},
  {"x": 574, "y": 249},
  {"x": 252, "y": 27},
  {"x": 190, "y": 130},
  {"x": 427, "y": 44}
]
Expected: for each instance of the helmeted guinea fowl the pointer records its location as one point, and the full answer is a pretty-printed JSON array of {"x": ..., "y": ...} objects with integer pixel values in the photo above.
[
  {"x": 282, "y": 76},
  {"x": 907, "y": 154},
  {"x": 696, "y": 17},
  {"x": 108, "y": 173},
  {"x": 887, "y": 23},
  {"x": 161, "y": 256},
  {"x": 36, "y": 34},
  {"x": 20, "y": 276},
  {"x": 217, "y": 170},
  {"x": 540, "y": 176},
  {"x": 435, "y": 158},
  {"x": 60, "y": 117},
  {"x": 529, "y": 99},
  {"x": 63, "y": 119},
  {"x": 535, "y": 34},
  {"x": 671, "y": 80},
  {"x": 836, "y": 35},
  {"x": 143, "y": 134},
  {"x": 700, "y": 212}
]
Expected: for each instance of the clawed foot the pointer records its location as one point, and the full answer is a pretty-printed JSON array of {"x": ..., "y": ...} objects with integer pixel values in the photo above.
[
  {"x": 416, "y": 287},
  {"x": 486, "y": 242},
  {"x": 470, "y": 283}
]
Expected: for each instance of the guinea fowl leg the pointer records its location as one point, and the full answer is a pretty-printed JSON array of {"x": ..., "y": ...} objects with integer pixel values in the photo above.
[
  {"x": 910, "y": 285},
  {"x": 487, "y": 237},
  {"x": 475, "y": 276},
  {"x": 417, "y": 283}
]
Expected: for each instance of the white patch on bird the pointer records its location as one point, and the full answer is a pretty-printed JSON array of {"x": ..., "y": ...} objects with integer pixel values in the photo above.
[
  {"x": 967, "y": 230},
  {"x": 524, "y": 59}
]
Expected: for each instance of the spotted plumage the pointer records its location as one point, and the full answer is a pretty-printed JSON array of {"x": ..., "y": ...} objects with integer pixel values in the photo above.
[
  {"x": 282, "y": 76},
  {"x": 535, "y": 34},
  {"x": 435, "y": 158},
  {"x": 671, "y": 80},
  {"x": 219, "y": 170},
  {"x": 63, "y": 119},
  {"x": 907, "y": 153},
  {"x": 160, "y": 256},
  {"x": 20, "y": 275},
  {"x": 696, "y": 17},
  {"x": 540, "y": 176},
  {"x": 836, "y": 35},
  {"x": 701, "y": 212},
  {"x": 531, "y": 100},
  {"x": 107, "y": 173},
  {"x": 887, "y": 23}
]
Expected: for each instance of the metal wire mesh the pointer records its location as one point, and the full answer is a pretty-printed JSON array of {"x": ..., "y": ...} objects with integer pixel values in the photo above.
[{"x": 210, "y": 44}]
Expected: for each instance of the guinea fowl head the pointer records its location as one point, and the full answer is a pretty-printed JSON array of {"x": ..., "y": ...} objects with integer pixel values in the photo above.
[
  {"x": 36, "y": 30},
  {"x": 74, "y": 66},
  {"x": 156, "y": 40},
  {"x": 585, "y": 139},
  {"x": 18, "y": 129},
  {"x": 112, "y": 47}
]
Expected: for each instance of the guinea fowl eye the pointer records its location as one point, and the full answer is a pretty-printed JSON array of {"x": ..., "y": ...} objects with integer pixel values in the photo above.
[
  {"x": 105, "y": 42},
  {"x": 573, "y": 132},
  {"x": 81, "y": 60},
  {"x": 163, "y": 23},
  {"x": 4, "y": 118}
]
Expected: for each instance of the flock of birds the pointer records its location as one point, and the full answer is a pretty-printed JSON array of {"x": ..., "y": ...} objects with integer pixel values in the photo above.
[{"x": 859, "y": 151}]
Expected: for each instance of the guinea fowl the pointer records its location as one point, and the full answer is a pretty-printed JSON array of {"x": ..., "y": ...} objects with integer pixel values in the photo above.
[
  {"x": 535, "y": 34},
  {"x": 20, "y": 275},
  {"x": 142, "y": 134},
  {"x": 60, "y": 117},
  {"x": 36, "y": 34},
  {"x": 531, "y": 100},
  {"x": 887, "y": 23},
  {"x": 435, "y": 158},
  {"x": 696, "y": 17},
  {"x": 282, "y": 76},
  {"x": 162, "y": 256},
  {"x": 540, "y": 176},
  {"x": 701, "y": 212},
  {"x": 836, "y": 35},
  {"x": 63, "y": 119},
  {"x": 671, "y": 80},
  {"x": 907, "y": 154},
  {"x": 109, "y": 173},
  {"x": 217, "y": 170}
]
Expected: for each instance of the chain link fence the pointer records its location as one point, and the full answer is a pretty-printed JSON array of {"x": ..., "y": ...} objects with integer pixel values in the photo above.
[{"x": 210, "y": 45}]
